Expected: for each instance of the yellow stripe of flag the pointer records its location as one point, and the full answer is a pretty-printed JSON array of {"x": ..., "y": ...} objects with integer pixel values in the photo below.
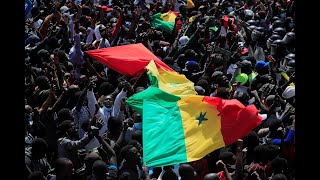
[{"x": 202, "y": 127}]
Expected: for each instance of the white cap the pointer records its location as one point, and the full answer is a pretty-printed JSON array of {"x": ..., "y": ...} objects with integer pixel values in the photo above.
[
  {"x": 183, "y": 40},
  {"x": 64, "y": 9},
  {"x": 289, "y": 92}
]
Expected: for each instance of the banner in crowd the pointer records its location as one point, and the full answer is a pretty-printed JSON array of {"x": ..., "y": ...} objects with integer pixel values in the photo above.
[
  {"x": 170, "y": 81},
  {"x": 179, "y": 130},
  {"x": 165, "y": 21},
  {"x": 127, "y": 59}
]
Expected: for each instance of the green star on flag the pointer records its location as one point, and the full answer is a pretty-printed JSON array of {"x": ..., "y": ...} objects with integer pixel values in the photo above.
[{"x": 201, "y": 118}]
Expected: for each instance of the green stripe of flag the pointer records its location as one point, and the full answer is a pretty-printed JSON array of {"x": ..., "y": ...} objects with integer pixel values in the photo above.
[
  {"x": 162, "y": 126},
  {"x": 159, "y": 23}
]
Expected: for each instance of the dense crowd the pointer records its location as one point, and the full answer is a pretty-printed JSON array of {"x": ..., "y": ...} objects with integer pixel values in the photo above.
[{"x": 77, "y": 124}]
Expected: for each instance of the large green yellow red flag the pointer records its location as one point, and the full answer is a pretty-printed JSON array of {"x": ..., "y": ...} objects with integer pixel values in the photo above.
[
  {"x": 170, "y": 81},
  {"x": 185, "y": 130}
]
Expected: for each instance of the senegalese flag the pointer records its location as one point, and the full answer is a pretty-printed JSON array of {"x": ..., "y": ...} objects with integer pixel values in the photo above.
[
  {"x": 127, "y": 59},
  {"x": 165, "y": 21},
  {"x": 170, "y": 81},
  {"x": 188, "y": 129}
]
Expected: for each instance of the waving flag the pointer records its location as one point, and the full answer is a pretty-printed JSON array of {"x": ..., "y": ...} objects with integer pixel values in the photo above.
[
  {"x": 170, "y": 81},
  {"x": 127, "y": 59},
  {"x": 188, "y": 129},
  {"x": 165, "y": 21}
]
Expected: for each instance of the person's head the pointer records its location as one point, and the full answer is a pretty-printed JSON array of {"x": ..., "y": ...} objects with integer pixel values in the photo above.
[
  {"x": 289, "y": 94},
  {"x": 63, "y": 168},
  {"x": 89, "y": 160},
  {"x": 223, "y": 81},
  {"x": 203, "y": 83},
  {"x": 106, "y": 88},
  {"x": 215, "y": 75},
  {"x": 223, "y": 93},
  {"x": 242, "y": 97},
  {"x": 246, "y": 66},
  {"x": 129, "y": 122},
  {"x": 260, "y": 154},
  {"x": 190, "y": 55},
  {"x": 115, "y": 125},
  {"x": 99, "y": 169},
  {"x": 276, "y": 128},
  {"x": 229, "y": 159},
  {"x": 44, "y": 55},
  {"x": 242, "y": 79},
  {"x": 136, "y": 117},
  {"x": 60, "y": 55},
  {"x": 279, "y": 165},
  {"x": 187, "y": 172},
  {"x": 136, "y": 144},
  {"x": 211, "y": 176},
  {"x": 64, "y": 114},
  {"x": 251, "y": 140},
  {"x": 262, "y": 67},
  {"x": 192, "y": 66},
  {"x": 108, "y": 102},
  {"x": 125, "y": 176},
  {"x": 42, "y": 82},
  {"x": 36, "y": 175},
  {"x": 39, "y": 148},
  {"x": 137, "y": 135},
  {"x": 131, "y": 154},
  {"x": 279, "y": 176},
  {"x": 199, "y": 90},
  {"x": 168, "y": 60},
  {"x": 68, "y": 128},
  {"x": 169, "y": 175}
]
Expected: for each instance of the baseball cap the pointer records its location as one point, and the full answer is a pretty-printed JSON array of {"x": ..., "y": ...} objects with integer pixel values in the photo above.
[
  {"x": 64, "y": 9},
  {"x": 242, "y": 78},
  {"x": 183, "y": 40},
  {"x": 260, "y": 64},
  {"x": 106, "y": 8},
  {"x": 289, "y": 92},
  {"x": 199, "y": 90}
]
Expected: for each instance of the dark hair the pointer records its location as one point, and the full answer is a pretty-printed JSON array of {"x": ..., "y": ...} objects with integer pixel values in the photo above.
[
  {"x": 186, "y": 170},
  {"x": 137, "y": 135},
  {"x": 261, "y": 153},
  {"x": 251, "y": 140},
  {"x": 63, "y": 114},
  {"x": 124, "y": 151},
  {"x": 223, "y": 93},
  {"x": 106, "y": 88},
  {"x": 169, "y": 175},
  {"x": 36, "y": 175},
  {"x": 61, "y": 163},
  {"x": 190, "y": 54},
  {"x": 279, "y": 165},
  {"x": 39, "y": 145}
]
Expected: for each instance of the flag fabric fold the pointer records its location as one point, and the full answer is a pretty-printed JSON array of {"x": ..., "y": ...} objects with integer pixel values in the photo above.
[
  {"x": 151, "y": 93},
  {"x": 170, "y": 81},
  {"x": 184, "y": 130},
  {"x": 165, "y": 21},
  {"x": 127, "y": 59}
]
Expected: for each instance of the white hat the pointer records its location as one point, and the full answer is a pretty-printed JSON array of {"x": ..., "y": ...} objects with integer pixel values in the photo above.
[
  {"x": 289, "y": 92},
  {"x": 183, "y": 40},
  {"x": 199, "y": 90},
  {"x": 64, "y": 9}
]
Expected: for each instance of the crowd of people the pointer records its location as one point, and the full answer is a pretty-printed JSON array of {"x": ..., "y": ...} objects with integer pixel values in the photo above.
[{"x": 77, "y": 124}]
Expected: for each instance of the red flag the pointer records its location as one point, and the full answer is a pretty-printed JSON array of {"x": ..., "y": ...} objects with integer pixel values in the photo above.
[{"x": 127, "y": 59}]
